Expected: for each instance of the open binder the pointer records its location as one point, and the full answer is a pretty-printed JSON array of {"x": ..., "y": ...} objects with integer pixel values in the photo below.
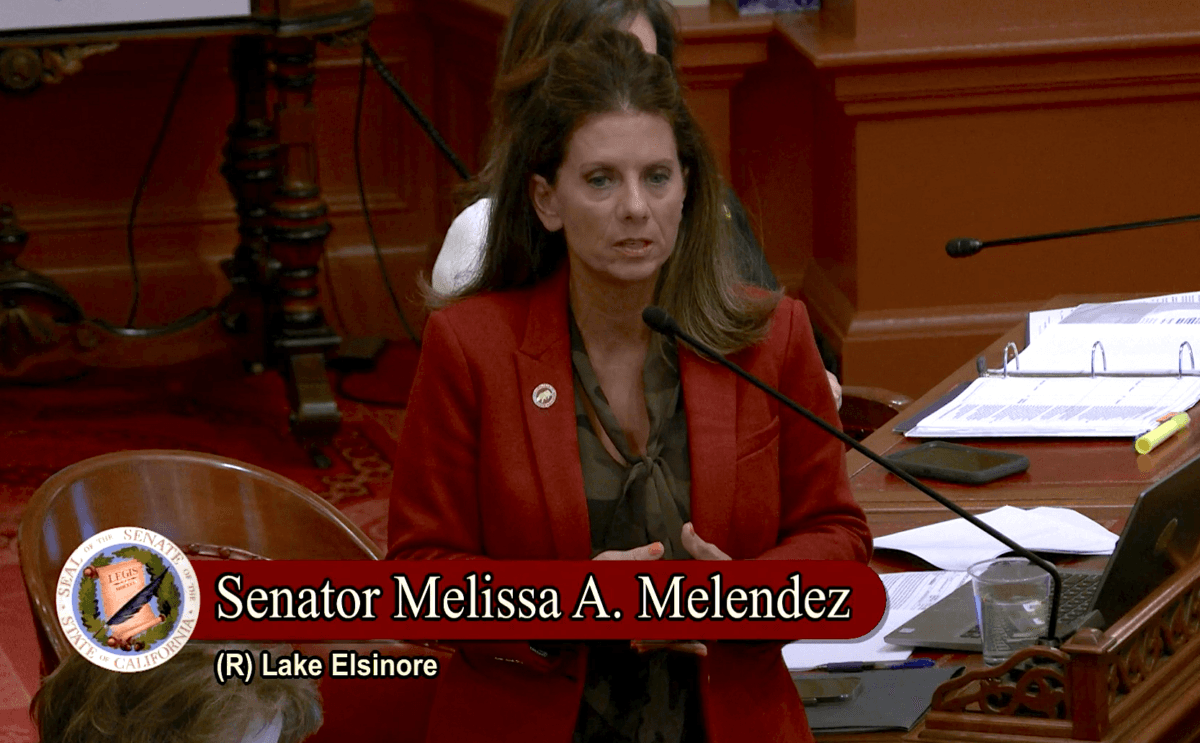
[
  {"x": 1075, "y": 392},
  {"x": 1096, "y": 401}
]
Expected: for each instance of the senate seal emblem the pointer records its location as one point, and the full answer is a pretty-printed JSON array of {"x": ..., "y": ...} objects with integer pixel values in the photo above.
[{"x": 128, "y": 599}]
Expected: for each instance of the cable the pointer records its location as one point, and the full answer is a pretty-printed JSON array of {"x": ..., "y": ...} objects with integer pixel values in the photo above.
[
  {"x": 157, "y": 331},
  {"x": 340, "y": 383},
  {"x": 362, "y": 195},
  {"x": 141, "y": 187},
  {"x": 370, "y": 54},
  {"x": 340, "y": 380}
]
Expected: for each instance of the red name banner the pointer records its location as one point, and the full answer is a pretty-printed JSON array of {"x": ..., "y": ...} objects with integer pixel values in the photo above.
[{"x": 296, "y": 601}]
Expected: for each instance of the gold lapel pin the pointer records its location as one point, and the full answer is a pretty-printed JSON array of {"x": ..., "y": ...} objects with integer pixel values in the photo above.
[{"x": 544, "y": 395}]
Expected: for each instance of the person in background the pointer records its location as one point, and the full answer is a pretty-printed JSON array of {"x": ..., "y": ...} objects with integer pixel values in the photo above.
[
  {"x": 535, "y": 26},
  {"x": 178, "y": 701},
  {"x": 546, "y": 421}
]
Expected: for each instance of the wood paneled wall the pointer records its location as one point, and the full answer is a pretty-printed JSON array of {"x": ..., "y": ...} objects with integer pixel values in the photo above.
[
  {"x": 860, "y": 138},
  {"x": 979, "y": 120},
  {"x": 863, "y": 137}
]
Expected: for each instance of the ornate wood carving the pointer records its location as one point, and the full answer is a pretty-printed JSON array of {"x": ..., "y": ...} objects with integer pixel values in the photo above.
[
  {"x": 297, "y": 226},
  {"x": 58, "y": 62},
  {"x": 20, "y": 68},
  {"x": 24, "y": 68},
  {"x": 1097, "y": 687},
  {"x": 36, "y": 314},
  {"x": 1164, "y": 635},
  {"x": 250, "y": 169},
  {"x": 1032, "y": 682}
]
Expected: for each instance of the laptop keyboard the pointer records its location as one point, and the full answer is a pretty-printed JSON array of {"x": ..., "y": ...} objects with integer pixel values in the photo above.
[{"x": 1077, "y": 592}]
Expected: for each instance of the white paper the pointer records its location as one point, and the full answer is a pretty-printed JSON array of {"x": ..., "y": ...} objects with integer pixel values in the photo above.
[
  {"x": 29, "y": 14},
  {"x": 908, "y": 594},
  {"x": 1041, "y": 319},
  {"x": 918, "y": 590},
  {"x": 1060, "y": 406},
  {"x": 957, "y": 544},
  {"x": 1148, "y": 344}
]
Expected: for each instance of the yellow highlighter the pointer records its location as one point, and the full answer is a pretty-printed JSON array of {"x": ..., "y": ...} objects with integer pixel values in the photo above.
[{"x": 1146, "y": 442}]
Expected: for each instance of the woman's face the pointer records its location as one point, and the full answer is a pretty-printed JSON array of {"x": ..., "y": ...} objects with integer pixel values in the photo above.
[{"x": 618, "y": 197}]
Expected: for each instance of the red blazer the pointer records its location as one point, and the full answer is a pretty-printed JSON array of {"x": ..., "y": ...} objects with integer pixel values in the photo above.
[{"x": 483, "y": 472}]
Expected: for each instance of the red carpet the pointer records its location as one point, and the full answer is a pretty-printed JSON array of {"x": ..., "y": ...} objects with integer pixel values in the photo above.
[{"x": 212, "y": 407}]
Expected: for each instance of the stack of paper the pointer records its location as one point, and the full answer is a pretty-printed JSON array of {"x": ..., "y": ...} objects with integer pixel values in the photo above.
[
  {"x": 1137, "y": 337},
  {"x": 957, "y": 544},
  {"x": 1041, "y": 320},
  {"x": 1140, "y": 336},
  {"x": 908, "y": 594}
]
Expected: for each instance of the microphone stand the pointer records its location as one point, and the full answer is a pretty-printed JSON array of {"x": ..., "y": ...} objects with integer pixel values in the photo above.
[
  {"x": 961, "y": 247},
  {"x": 661, "y": 322}
]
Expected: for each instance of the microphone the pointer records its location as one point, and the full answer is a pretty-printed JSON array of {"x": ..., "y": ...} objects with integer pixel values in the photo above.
[
  {"x": 659, "y": 321},
  {"x": 961, "y": 247}
]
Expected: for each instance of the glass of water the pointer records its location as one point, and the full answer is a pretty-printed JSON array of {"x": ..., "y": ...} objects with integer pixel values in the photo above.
[{"x": 1012, "y": 604}]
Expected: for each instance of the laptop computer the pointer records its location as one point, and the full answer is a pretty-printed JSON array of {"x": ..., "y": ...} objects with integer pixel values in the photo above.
[{"x": 1163, "y": 530}]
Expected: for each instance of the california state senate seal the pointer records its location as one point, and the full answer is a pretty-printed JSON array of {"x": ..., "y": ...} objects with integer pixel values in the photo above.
[{"x": 127, "y": 599}]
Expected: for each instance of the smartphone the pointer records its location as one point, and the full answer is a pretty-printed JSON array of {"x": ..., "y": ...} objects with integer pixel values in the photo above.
[
  {"x": 828, "y": 689},
  {"x": 942, "y": 460}
]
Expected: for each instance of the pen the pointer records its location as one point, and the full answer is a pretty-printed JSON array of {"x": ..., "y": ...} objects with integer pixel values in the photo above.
[
  {"x": 1147, "y": 441},
  {"x": 855, "y": 667}
]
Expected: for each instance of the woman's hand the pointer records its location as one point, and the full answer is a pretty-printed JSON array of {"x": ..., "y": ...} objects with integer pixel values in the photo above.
[
  {"x": 698, "y": 548},
  {"x": 652, "y": 551}
]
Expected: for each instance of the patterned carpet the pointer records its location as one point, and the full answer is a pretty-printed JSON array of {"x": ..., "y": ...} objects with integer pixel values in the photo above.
[{"x": 212, "y": 407}]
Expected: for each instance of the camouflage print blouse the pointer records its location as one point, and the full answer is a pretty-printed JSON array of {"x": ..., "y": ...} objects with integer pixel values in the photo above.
[{"x": 632, "y": 697}]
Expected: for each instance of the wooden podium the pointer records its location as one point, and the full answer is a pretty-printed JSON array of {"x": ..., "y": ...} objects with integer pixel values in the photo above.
[{"x": 1137, "y": 681}]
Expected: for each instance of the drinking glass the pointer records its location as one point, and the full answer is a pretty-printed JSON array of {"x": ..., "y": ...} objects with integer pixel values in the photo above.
[{"x": 1012, "y": 604}]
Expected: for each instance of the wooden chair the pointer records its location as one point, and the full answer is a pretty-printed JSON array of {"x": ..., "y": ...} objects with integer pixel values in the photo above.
[
  {"x": 211, "y": 507},
  {"x": 208, "y": 505},
  {"x": 865, "y": 409}
]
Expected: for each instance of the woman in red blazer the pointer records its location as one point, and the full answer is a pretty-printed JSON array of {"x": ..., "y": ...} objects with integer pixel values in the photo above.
[{"x": 609, "y": 201}]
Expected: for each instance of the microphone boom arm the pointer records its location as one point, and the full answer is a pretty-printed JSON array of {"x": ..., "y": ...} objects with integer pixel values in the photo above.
[
  {"x": 671, "y": 328},
  {"x": 961, "y": 247}
]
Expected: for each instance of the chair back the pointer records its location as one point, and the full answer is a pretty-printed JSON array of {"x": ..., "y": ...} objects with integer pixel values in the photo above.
[
  {"x": 866, "y": 409},
  {"x": 207, "y": 505}
]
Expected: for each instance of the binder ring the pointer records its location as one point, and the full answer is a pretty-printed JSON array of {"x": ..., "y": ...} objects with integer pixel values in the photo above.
[
  {"x": 1103, "y": 359},
  {"x": 1191, "y": 356},
  {"x": 1016, "y": 358}
]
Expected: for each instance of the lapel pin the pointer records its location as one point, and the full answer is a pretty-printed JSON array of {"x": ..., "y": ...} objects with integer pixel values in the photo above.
[{"x": 544, "y": 395}]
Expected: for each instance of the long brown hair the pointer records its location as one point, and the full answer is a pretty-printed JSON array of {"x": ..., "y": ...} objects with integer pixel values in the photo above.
[
  {"x": 534, "y": 28},
  {"x": 608, "y": 72},
  {"x": 179, "y": 701}
]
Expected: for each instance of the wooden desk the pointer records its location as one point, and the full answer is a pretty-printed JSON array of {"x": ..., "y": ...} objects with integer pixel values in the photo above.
[
  {"x": 272, "y": 315},
  {"x": 1100, "y": 478}
]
